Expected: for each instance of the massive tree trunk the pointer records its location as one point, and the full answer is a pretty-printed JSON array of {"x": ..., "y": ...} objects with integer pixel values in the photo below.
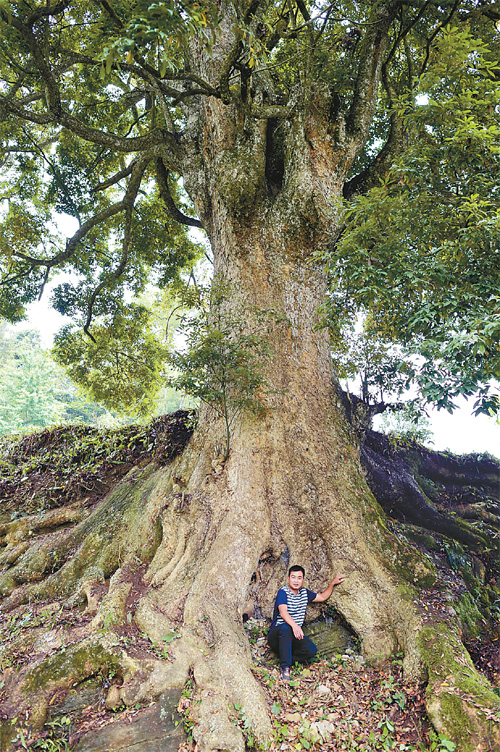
[{"x": 291, "y": 491}]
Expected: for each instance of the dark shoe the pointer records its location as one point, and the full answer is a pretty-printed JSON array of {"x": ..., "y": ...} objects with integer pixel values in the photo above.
[{"x": 285, "y": 675}]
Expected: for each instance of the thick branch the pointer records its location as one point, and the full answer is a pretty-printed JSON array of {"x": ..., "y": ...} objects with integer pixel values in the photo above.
[
  {"x": 371, "y": 55},
  {"x": 145, "y": 71},
  {"x": 227, "y": 68},
  {"x": 59, "y": 115},
  {"x": 157, "y": 137},
  {"x": 162, "y": 180},
  {"x": 394, "y": 145},
  {"x": 111, "y": 13},
  {"x": 47, "y": 11}
]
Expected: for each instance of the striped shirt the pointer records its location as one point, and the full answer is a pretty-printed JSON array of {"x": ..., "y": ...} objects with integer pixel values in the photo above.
[{"x": 296, "y": 604}]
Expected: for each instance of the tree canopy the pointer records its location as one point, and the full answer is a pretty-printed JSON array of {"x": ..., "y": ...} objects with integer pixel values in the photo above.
[
  {"x": 99, "y": 116},
  {"x": 420, "y": 253}
]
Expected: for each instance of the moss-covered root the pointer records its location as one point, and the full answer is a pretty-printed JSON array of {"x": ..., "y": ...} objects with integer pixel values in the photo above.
[
  {"x": 459, "y": 700},
  {"x": 123, "y": 527},
  {"x": 111, "y": 610},
  {"x": 32, "y": 693},
  {"x": 217, "y": 654}
]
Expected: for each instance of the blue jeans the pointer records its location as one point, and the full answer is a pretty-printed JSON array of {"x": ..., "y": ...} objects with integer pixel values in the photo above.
[{"x": 282, "y": 640}]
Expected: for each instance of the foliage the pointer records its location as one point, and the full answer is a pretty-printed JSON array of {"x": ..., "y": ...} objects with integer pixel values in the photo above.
[
  {"x": 224, "y": 358},
  {"x": 406, "y": 424},
  {"x": 54, "y": 737},
  {"x": 378, "y": 367},
  {"x": 164, "y": 27},
  {"x": 123, "y": 366},
  {"x": 115, "y": 252},
  {"x": 97, "y": 109},
  {"x": 420, "y": 251},
  {"x": 440, "y": 742},
  {"x": 34, "y": 391}
]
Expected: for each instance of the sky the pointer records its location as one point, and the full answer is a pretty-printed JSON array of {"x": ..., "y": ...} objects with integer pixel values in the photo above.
[
  {"x": 464, "y": 433},
  {"x": 460, "y": 433}
]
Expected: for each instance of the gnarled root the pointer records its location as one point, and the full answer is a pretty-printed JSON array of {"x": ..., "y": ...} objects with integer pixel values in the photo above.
[
  {"x": 459, "y": 701},
  {"x": 211, "y": 537},
  {"x": 122, "y": 527}
]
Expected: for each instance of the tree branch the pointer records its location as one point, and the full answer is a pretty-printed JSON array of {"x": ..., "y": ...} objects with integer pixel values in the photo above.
[
  {"x": 59, "y": 115},
  {"x": 110, "y": 211},
  {"x": 115, "y": 178},
  {"x": 162, "y": 180},
  {"x": 157, "y": 137},
  {"x": 111, "y": 12},
  {"x": 47, "y": 11},
  {"x": 228, "y": 66},
  {"x": 405, "y": 31},
  {"x": 436, "y": 32},
  {"x": 372, "y": 50},
  {"x": 394, "y": 145},
  {"x": 128, "y": 202}
]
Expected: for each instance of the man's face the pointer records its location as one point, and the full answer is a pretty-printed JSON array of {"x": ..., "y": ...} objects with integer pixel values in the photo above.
[{"x": 295, "y": 580}]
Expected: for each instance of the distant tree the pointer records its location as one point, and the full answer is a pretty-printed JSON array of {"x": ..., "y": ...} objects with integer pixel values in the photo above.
[
  {"x": 30, "y": 387},
  {"x": 405, "y": 424},
  {"x": 36, "y": 392},
  {"x": 376, "y": 370}
]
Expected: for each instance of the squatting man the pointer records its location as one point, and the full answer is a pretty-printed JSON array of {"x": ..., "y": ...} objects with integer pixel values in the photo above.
[{"x": 285, "y": 635}]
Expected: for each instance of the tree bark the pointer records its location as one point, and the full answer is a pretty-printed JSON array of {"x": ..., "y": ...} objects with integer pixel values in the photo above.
[{"x": 292, "y": 489}]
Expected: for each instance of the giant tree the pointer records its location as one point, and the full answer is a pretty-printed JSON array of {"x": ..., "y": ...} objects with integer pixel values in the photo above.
[{"x": 269, "y": 113}]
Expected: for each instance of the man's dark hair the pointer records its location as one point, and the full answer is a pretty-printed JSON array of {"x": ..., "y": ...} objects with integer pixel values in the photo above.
[{"x": 296, "y": 568}]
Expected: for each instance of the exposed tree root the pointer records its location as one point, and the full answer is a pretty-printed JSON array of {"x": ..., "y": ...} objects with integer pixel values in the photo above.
[
  {"x": 123, "y": 526},
  {"x": 169, "y": 555},
  {"x": 400, "y": 494},
  {"x": 460, "y": 701}
]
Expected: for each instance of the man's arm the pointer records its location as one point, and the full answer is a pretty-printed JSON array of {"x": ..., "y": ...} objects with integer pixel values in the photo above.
[
  {"x": 321, "y": 597},
  {"x": 297, "y": 631}
]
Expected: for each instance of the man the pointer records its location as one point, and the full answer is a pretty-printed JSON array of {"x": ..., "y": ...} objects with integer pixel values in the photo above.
[{"x": 285, "y": 636}]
